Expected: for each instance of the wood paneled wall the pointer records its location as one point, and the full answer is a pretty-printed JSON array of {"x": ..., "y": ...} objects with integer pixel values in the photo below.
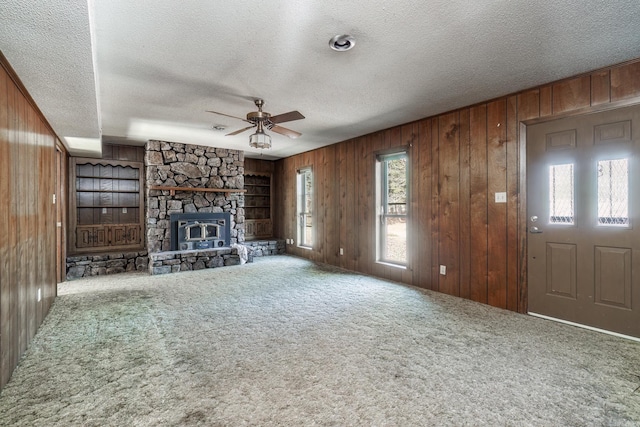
[
  {"x": 459, "y": 160},
  {"x": 27, "y": 219}
]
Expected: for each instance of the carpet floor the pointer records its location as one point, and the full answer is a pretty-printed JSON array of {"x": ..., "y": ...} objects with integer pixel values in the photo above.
[{"x": 286, "y": 342}]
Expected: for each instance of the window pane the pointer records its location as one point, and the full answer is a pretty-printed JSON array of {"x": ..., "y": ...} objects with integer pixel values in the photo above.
[
  {"x": 396, "y": 240},
  {"x": 561, "y": 194},
  {"x": 613, "y": 192},
  {"x": 305, "y": 207},
  {"x": 397, "y": 186},
  {"x": 394, "y": 193}
]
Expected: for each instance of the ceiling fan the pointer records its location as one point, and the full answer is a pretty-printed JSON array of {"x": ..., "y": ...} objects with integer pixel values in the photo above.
[{"x": 263, "y": 120}]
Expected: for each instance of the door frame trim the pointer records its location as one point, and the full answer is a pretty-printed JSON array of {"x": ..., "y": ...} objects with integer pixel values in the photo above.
[{"x": 523, "y": 285}]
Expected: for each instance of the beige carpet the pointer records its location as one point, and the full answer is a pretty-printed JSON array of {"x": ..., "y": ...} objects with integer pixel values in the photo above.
[{"x": 285, "y": 342}]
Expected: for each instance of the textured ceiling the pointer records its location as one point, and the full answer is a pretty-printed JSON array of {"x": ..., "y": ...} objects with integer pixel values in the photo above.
[{"x": 160, "y": 65}]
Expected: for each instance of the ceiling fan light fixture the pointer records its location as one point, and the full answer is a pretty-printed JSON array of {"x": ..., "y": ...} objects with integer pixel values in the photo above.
[
  {"x": 260, "y": 140},
  {"x": 342, "y": 42}
]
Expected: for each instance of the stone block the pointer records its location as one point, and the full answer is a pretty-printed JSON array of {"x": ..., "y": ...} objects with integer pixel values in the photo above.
[
  {"x": 115, "y": 270},
  {"x": 232, "y": 260},
  {"x": 161, "y": 256},
  {"x": 165, "y": 269},
  {"x": 116, "y": 263},
  {"x": 99, "y": 258},
  {"x": 154, "y": 158},
  {"x": 188, "y": 169},
  {"x": 199, "y": 265},
  {"x": 75, "y": 272}
]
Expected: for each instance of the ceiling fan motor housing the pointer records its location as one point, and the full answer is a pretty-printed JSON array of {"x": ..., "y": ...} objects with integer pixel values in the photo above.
[{"x": 258, "y": 116}]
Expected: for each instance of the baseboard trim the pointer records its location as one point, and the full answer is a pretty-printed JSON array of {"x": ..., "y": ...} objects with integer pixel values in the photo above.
[{"x": 579, "y": 325}]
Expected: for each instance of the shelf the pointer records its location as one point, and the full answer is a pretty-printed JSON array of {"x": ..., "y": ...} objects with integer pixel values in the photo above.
[
  {"x": 257, "y": 195},
  {"x": 172, "y": 190},
  {"x": 107, "y": 177},
  {"x": 109, "y": 191},
  {"x": 256, "y": 185},
  {"x": 109, "y": 207}
]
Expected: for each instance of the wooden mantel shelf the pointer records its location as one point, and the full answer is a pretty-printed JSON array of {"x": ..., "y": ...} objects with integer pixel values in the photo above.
[{"x": 172, "y": 190}]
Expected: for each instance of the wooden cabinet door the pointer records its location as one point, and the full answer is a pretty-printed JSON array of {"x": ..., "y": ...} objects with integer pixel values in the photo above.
[
  {"x": 84, "y": 237},
  {"x": 249, "y": 229},
  {"x": 133, "y": 234},
  {"x": 100, "y": 236},
  {"x": 118, "y": 235}
]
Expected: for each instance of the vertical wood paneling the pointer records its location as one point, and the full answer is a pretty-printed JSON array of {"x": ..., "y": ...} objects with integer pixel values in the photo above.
[
  {"x": 545, "y": 106},
  {"x": 422, "y": 217},
  {"x": 478, "y": 202},
  {"x": 435, "y": 205},
  {"x": 409, "y": 138},
  {"x": 600, "y": 88},
  {"x": 465, "y": 206},
  {"x": 571, "y": 94},
  {"x": 27, "y": 249},
  {"x": 454, "y": 177},
  {"x": 497, "y": 212},
  {"x": 366, "y": 210},
  {"x": 342, "y": 165},
  {"x": 625, "y": 82},
  {"x": 7, "y": 325},
  {"x": 351, "y": 246},
  {"x": 512, "y": 203},
  {"x": 449, "y": 216}
]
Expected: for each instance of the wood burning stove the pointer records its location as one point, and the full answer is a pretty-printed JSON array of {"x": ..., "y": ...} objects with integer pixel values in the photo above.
[{"x": 190, "y": 231}]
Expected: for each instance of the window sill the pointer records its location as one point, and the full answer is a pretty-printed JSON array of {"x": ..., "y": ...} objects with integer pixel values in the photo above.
[
  {"x": 309, "y": 248},
  {"x": 390, "y": 264}
]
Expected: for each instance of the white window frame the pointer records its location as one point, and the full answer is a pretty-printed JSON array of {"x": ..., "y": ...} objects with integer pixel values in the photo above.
[
  {"x": 382, "y": 206},
  {"x": 304, "y": 210}
]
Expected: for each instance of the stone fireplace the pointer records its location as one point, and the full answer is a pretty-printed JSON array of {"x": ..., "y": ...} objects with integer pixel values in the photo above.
[{"x": 181, "y": 179}]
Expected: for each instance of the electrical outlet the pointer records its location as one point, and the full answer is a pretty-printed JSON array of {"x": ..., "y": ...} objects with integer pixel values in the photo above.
[
  {"x": 341, "y": 251},
  {"x": 501, "y": 197},
  {"x": 443, "y": 270},
  {"x": 39, "y": 294}
]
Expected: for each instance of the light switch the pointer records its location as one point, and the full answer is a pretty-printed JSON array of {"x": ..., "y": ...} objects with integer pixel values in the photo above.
[
  {"x": 443, "y": 270},
  {"x": 501, "y": 197}
]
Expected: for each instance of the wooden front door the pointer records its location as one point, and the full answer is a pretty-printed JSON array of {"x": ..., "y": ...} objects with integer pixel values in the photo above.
[{"x": 583, "y": 204}]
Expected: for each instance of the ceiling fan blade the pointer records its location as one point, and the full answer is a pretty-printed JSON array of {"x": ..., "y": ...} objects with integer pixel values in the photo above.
[
  {"x": 240, "y": 131},
  {"x": 284, "y": 131},
  {"x": 227, "y": 115},
  {"x": 286, "y": 117}
]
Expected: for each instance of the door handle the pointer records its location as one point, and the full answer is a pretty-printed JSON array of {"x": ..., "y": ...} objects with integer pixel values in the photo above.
[{"x": 535, "y": 230}]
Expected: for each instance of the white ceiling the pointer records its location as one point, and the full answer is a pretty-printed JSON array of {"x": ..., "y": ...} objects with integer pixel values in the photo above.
[{"x": 154, "y": 67}]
